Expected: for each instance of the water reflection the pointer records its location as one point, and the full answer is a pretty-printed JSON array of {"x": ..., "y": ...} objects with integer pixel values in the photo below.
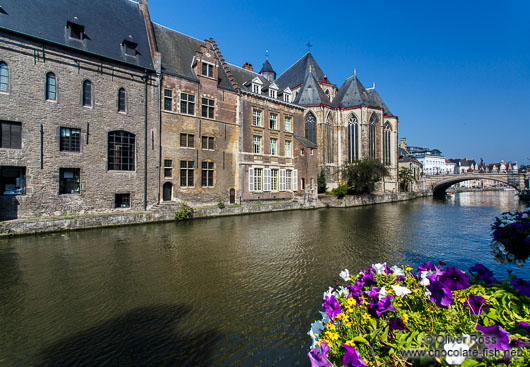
[{"x": 243, "y": 290}]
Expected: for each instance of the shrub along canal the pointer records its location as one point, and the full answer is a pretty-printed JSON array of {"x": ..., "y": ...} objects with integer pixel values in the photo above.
[{"x": 223, "y": 291}]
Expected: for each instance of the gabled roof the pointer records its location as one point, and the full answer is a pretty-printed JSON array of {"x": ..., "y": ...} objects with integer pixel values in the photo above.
[
  {"x": 352, "y": 93},
  {"x": 106, "y": 25},
  {"x": 378, "y": 100},
  {"x": 297, "y": 73},
  {"x": 178, "y": 51},
  {"x": 244, "y": 77},
  {"x": 311, "y": 94}
]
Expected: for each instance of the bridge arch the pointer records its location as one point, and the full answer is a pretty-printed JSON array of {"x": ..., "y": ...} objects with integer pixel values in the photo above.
[{"x": 441, "y": 184}]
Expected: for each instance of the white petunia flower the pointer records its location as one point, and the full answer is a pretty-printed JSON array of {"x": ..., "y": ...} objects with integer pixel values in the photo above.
[
  {"x": 344, "y": 292},
  {"x": 379, "y": 268},
  {"x": 345, "y": 274},
  {"x": 316, "y": 329},
  {"x": 325, "y": 317},
  {"x": 397, "y": 271},
  {"x": 382, "y": 293},
  {"x": 424, "y": 281},
  {"x": 456, "y": 353},
  {"x": 400, "y": 291},
  {"x": 330, "y": 292}
]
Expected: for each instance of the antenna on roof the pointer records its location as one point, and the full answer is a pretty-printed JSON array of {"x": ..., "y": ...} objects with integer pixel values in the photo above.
[{"x": 309, "y": 45}]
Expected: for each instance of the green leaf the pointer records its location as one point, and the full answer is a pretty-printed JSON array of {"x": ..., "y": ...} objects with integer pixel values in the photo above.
[
  {"x": 360, "y": 339},
  {"x": 470, "y": 363}
]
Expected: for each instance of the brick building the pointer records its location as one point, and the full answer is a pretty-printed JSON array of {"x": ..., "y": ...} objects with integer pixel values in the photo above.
[
  {"x": 200, "y": 131},
  {"x": 79, "y": 108},
  {"x": 276, "y": 160}
]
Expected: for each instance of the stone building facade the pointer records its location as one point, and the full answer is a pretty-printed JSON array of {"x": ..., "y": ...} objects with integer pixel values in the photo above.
[
  {"x": 199, "y": 125},
  {"x": 347, "y": 124},
  {"x": 276, "y": 161},
  {"x": 79, "y": 106}
]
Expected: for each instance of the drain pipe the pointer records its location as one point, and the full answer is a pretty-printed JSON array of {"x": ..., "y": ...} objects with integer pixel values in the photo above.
[
  {"x": 145, "y": 143},
  {"x": 159, "y": 132}
]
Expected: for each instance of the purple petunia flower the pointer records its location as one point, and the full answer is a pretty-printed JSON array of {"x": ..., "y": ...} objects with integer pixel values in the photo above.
[
  {"x": 373, "y": 292},
  {"x": 320, "y": 359},
  {"x": 382, "y": 306},
  {"x": 516, "y": 343},
  {"x": 332, "y": 306},
  {"x": 483, "y": 274},
  {"x": 440, "y": 294},
  {"x": 426, "y": 267},
  {"x": 476, "y": 304},
  {"x": 525, "y": 326},
  {"x": 396, "y": 323},
  {"x": 498, "y": 337},
  {"x": 399, "y": 279},
  {"x": 352, "y": 358},
  {"x": 454, "y": 279},
  {"x": 521, "y": 286}
]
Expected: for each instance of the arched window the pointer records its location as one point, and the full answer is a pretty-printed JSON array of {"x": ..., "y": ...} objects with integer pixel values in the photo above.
[
  {"x": 329, "y": 138},
  {"x": 87, "y": 93},
  {"x": 353, "y": 139},
  {"x": 387, "y": 157},
  {"x": 121, "y": 100},
  {"x": 121, "y": 148},
  {"x": 311, "y": 128},
  {"x": 4, "y": 77},
  {"x": 51, "y": 87},
  {"x": 372, "y": 135}
]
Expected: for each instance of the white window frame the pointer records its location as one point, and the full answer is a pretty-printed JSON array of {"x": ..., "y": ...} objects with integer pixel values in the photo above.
[
  {"x": 257, "y": 119},
  {"x": 288, "y": 180},
  {"x": 258, "y": 179},
  {"x": 288, "y": 128},
  {"x": 256, "y": 138},
  {"x": 275, "y": 119},
  {"x": 295, "y": 180},
  {"x": 288, "y": 151},
  {"x": 275, "y": 146},
  {"x": 274, "y": 179},
  {"x": 251, "y": 179}
]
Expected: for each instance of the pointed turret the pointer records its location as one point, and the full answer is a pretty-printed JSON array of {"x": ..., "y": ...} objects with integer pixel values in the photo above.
[{"x": 267, "y": 71}]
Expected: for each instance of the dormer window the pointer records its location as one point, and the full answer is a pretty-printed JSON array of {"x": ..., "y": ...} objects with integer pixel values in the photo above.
[
  {"x": 273, "y": 93},
  {"x": 76, "y": 31},
  {"x": 287, "y": 95},
  {"x": 129, "y": 48},
  {"x": 207, "y": 70},
  {"x": 256, "y": 85}
]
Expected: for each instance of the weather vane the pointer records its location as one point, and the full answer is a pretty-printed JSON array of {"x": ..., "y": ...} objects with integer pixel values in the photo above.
[
  {"x": 266, "y": 54},
  {"x": 309, "y": 45}
]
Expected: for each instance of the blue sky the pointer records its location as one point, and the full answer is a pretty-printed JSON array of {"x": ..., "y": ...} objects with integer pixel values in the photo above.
[{"x": 457, "y": 73}]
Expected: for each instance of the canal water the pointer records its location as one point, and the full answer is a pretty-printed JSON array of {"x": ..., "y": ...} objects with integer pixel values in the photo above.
[{"x": 234, "y": 291}]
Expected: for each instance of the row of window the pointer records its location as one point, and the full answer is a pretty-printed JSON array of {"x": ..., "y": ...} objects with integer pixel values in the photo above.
[
  {"x": 187, "y": 172},
  {"x": 257, "y": 120},
  {"x": 187, "y": 104},
  {"x": 272, "y": 179},
  {"x": 257, "y": 146},
  {"x": 188, "y": 141},
  {"x": 273, "y": 90},
  {"x": 120, "y": 144},
  {"x": 50, "y": 90}
]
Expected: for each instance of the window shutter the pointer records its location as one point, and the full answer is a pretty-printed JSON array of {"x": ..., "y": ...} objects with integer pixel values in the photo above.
[
  {"x": 282, "y": 180},
  {"x": 295, "y": 180},
  {"x": 267, "y": 179},
  {"x": 251, "y": 179},
  {"x": 16, "y": 136}
]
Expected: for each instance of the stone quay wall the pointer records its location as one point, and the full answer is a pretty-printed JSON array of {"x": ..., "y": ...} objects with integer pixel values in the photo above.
[{"x": 166, "y": 213}]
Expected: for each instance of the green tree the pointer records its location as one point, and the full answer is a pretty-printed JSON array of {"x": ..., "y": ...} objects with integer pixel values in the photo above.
[
  {"x": 322, "y": 186},
  {"x": 406, "y": 178},
  {"x": 362, "y": 175}
]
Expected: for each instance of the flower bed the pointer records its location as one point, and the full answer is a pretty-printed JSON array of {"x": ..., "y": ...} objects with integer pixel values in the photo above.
[
  {"x": 511, "y": 236},
  {"x": 393, "y": 316}
]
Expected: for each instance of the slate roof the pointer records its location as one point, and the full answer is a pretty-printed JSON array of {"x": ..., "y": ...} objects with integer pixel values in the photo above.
[
  {"x": 311, "y": 94},
  {"x": 244, "y": 77},
  {"x": 305, "y": 142},
  {"x": 107, "y": 23},
  {"x": 378, "y": 100},
  {"x": 178, "y": 51},
  {"x": 352, "y": 93},
  {"x": 267, "y": 68},
  {"x": 404, "y": 157},
  {"x": 297, "y": 73}
]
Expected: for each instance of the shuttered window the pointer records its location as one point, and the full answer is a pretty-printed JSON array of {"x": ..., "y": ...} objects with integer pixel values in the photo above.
[{"x": 11, "y": 135}]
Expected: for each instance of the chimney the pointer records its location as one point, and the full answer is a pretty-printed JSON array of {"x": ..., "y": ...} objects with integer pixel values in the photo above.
[
  {"x": 403, "y": 143},
  {"x": 248, "y": 66}
]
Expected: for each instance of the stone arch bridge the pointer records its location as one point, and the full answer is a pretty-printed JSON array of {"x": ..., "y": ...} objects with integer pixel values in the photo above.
[{"x": 439, "y": 184}]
